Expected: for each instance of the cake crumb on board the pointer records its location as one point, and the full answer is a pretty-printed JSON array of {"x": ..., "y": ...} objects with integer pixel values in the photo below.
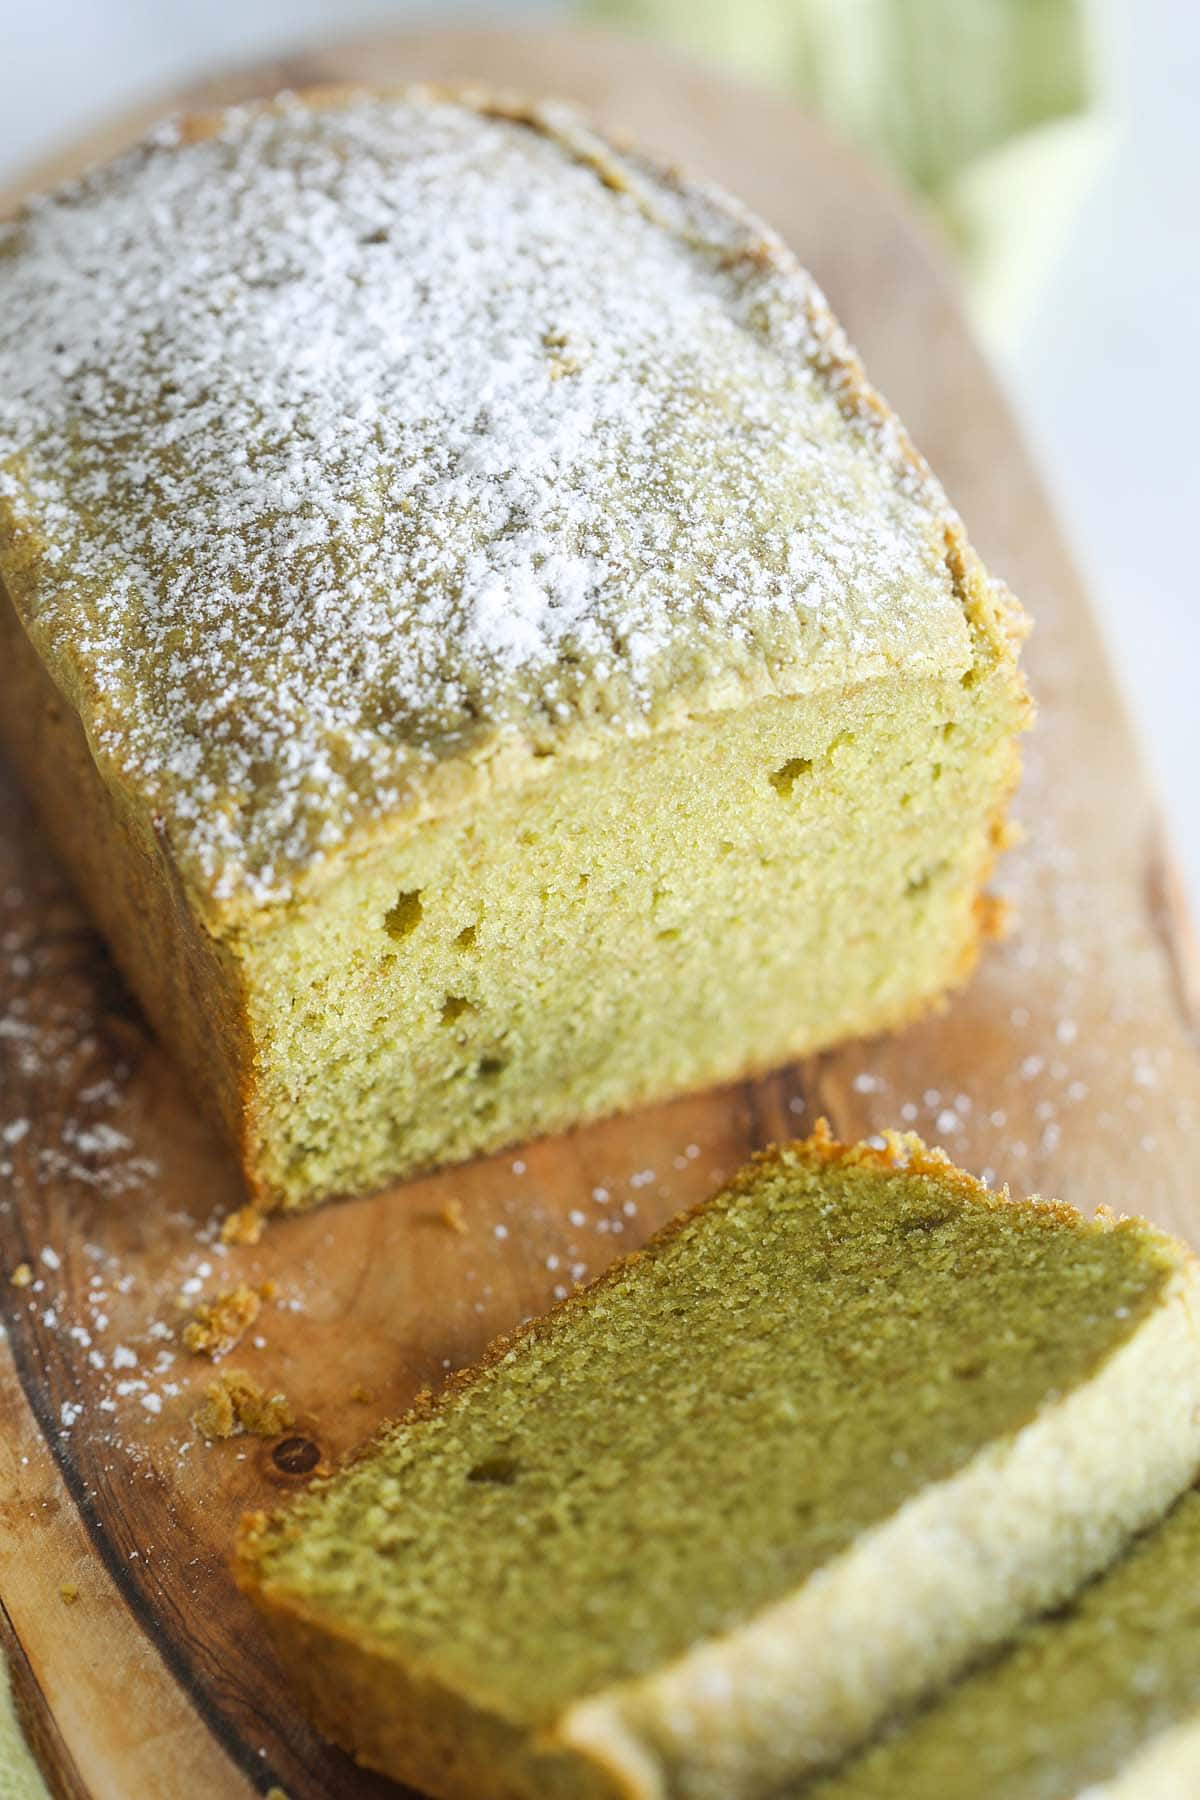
[
  {"x": 218, "y": 1325},
  {"x": 21, "y": 1276},
  {"x": 235, "y": 1402},
  {"x": 245, "y": 1226}
]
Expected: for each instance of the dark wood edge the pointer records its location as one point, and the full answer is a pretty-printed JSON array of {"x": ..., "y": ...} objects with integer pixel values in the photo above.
[{"x": 176, "y": 1661}]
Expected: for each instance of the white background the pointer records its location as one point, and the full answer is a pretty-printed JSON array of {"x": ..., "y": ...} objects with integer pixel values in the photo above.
[{"x": 1105, "y": 373}]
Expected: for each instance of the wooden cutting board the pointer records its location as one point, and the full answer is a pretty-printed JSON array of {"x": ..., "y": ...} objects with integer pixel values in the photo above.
[{"x": 1070, "y": 1066}]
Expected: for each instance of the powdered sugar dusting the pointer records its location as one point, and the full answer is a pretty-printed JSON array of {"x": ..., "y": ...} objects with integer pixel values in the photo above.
[{"x": 343, "y": 442}]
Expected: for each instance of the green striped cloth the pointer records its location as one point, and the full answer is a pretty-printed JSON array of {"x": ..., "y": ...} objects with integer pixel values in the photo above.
[{"x": 986, "y": 108}]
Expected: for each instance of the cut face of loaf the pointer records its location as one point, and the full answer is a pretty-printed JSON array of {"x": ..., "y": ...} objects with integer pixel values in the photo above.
[
  {"x": 734, "y": 894},
  {"x": 486, "y": 653},
  {"x": 702, "y": 1529},
  {"x": 665, "y": 915}
]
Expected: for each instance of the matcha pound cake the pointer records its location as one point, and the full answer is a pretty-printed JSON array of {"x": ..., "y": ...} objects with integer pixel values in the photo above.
[
  {"x": 705, "y": 1526},
  {"x": 1100, "y": 1701},
  {"x": 478, "y": 640}
]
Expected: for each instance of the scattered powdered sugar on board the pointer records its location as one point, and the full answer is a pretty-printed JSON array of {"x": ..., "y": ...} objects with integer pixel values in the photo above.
[
  {"x": 85, "y": 1202},
  {"x": 345, "y": 440}
]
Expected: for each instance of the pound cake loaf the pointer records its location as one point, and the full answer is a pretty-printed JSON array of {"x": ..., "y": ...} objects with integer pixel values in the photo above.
[
  {"x": 484, "y": 650},
  {"x": 701, "y": 1529},
  {"x": 1099, "y": 1701}
]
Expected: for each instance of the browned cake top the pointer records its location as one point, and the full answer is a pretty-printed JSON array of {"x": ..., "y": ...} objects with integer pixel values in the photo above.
[{"x": 354, "y": 454}]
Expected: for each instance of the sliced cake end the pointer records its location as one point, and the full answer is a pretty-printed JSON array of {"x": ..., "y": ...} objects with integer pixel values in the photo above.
[
  {"x": 703, "y": 1528},
  {"x": 1102, "y": 1699}
]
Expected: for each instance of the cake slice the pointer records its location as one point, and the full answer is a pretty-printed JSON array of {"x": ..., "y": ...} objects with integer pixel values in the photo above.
[
  {"x": 483, "y": 649},
  {"x": 1102, "y": 1699},
  {"x": 702, "y": 1528}
]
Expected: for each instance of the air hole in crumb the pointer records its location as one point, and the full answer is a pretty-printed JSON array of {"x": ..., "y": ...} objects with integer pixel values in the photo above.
[
  {"x": 785, "y": 778},
  {"x": 971, "y": 678},
  {"x": 378, "y": 236},
  {"x": 668, "y": 936},
  {"x": 466, "y": 937},
  {"x": 453, "y": 1007},
  {"x": 495, "y": 1471},
  {"x": 489, "y": 1067},
  {"x": 918, "y": 884},
  {"x": 917, "y": 1223},
  {"x": 405, "y": 916},
  {"x": 936, "y": 772},
  {"x": 949, "y": 729}
]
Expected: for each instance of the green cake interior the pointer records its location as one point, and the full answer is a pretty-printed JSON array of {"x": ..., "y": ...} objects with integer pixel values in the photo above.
[
  {"x": 676, "y": 911},
  {"x": 675, "y": 1449},
  {"x": 1080, "y": 1693}
]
